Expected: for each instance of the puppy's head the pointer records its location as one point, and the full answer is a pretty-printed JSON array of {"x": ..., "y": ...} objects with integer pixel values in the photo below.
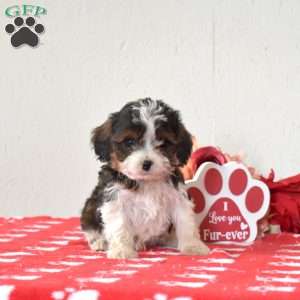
[{"x": 145, "y": 140}]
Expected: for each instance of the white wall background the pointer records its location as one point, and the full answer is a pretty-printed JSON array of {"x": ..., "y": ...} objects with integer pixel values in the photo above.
[{"x": 231, "y": 67}]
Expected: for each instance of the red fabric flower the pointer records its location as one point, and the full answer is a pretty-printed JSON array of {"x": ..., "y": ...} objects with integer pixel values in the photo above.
[{"x": 285, "y": 202}]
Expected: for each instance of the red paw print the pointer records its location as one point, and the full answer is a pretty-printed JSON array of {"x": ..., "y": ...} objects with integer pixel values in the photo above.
[{"x": 228, "y": 202}]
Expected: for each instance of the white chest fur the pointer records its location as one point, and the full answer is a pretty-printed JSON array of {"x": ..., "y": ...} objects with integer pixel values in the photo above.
[{"x": 147, "y": 212}]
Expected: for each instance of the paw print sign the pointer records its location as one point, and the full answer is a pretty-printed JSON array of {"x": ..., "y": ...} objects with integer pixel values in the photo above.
[{"x": 228, "y": 202}]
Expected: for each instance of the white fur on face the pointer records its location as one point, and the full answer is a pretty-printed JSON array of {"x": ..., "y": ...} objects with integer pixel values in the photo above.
[{"x": 132, "y": 166}]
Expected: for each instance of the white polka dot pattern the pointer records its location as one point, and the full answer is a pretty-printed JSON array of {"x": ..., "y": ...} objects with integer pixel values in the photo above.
[{"x": 48, "y": 258}]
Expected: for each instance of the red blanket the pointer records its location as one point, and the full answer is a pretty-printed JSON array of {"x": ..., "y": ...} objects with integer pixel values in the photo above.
[{"x": 47, "y": 258}]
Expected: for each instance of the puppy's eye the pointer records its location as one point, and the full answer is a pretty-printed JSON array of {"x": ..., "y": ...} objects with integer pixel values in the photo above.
[{"x": 129, "y": 142}]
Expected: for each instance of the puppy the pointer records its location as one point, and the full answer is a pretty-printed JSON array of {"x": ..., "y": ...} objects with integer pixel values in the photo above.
[{"x": 140, "y": 197}]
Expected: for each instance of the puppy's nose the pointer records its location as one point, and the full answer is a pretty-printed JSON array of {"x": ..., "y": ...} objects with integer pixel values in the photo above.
[{"x": 147, "y": 165}]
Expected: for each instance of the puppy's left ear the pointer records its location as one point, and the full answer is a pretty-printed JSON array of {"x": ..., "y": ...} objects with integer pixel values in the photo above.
[{"x": 184, "y": 145}]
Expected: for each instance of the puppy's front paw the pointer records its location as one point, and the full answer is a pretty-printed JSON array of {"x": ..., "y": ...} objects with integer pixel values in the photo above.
[
  {"x": 98, "y": 245},
  {"x": 122, "y": 253},
  {"x": 195, "y": 248}
]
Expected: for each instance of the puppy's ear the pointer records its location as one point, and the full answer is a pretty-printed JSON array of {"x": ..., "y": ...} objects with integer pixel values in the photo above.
[
  {"x": 183, "y": 138},
  {"x": 101, "y": 140},
  {"x": 184, "y": 145}
]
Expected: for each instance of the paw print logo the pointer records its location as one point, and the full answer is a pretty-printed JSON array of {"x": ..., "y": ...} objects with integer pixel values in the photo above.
[
  {"x": 24, "y": 32},
  {"x": 228, "y": 202}
]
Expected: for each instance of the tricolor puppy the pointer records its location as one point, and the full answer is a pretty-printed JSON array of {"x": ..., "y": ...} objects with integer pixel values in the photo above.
[{"x": 139, "y": 197}]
